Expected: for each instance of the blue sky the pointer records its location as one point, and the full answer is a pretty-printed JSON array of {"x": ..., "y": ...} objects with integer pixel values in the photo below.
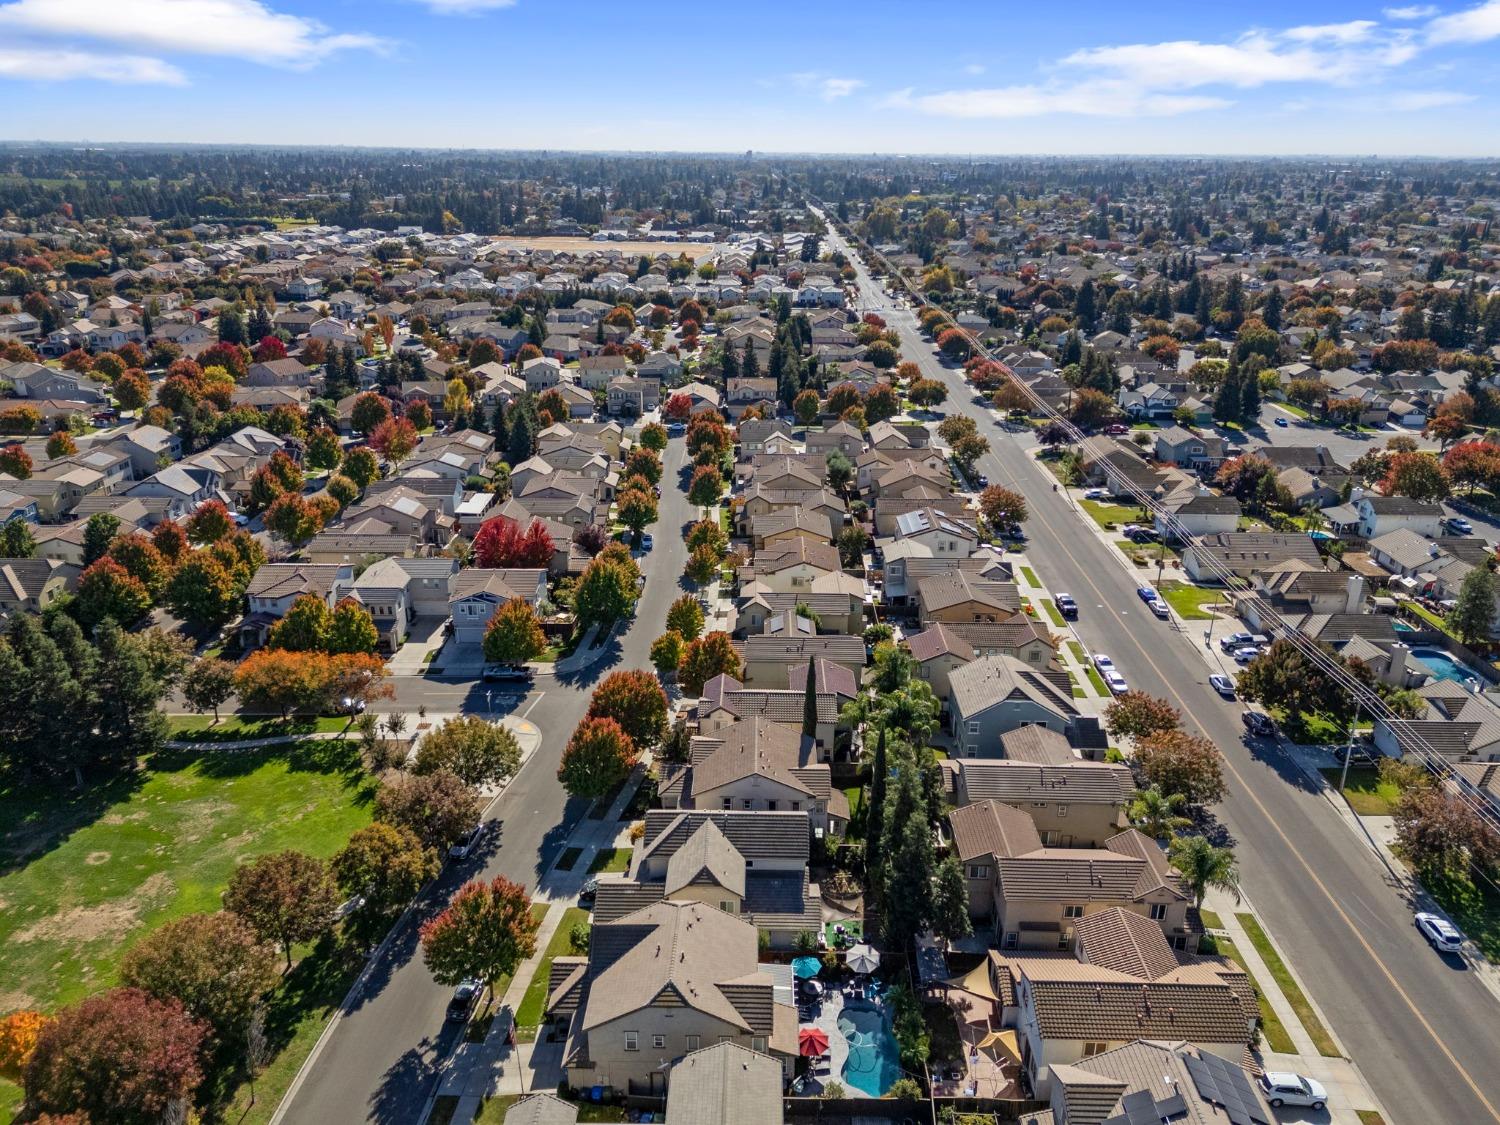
[{"x": 1001, "y": 76}]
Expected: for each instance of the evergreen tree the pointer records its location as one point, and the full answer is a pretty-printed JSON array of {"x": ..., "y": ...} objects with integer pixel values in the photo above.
[
  {"x": 810, "y": 702},
  {"x": 875, "y": 810},
  {"x": 500, "y": 427},
  {"x": 908, "y": 861},
  {"x": 1227, "y": 400},
  {"x": 750, "y": 366},
  {"x": 1249, "y": 397},
  {"x": 1086, "y": 307},
  {"x": 729, "y": 365},
  {"x": 524, "y": 426}
]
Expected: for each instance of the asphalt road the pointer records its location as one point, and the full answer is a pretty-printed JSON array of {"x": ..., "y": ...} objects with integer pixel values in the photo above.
[
  {"x": 1425, "y": 1033},
  {"x": 382, "y": 1057}
]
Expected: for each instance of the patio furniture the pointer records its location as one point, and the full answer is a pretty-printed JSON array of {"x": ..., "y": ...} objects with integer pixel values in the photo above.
[{"x": 812, "y": 1042}]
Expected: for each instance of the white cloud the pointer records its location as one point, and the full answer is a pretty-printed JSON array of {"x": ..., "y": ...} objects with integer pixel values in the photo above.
[
  {"x": 1476, "y": 25},
  {"x": 1089, "y": 99},
  {"x": 825, "y": 86},
  {"x": 245, "y": 29},
  {"x": 834, "y": 88},
  {"x": 1411, "y": 12},
  {"x": 466, "y": 7},
  {"x": 974, "y": 68},
  {"x": 1354, "y": 31},
  {"x": 1427, "y": 99},
  {"x": 54, "y": 65}
]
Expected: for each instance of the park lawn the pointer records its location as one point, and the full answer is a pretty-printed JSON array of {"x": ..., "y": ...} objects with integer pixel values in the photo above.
[
  {"x": 1289, "y": 987},
  {"x": 1366, "y": 793},
  {"x": 85, "y": 877},
  {"x": 1188, "y": 601},
  {"x": 1106, "y": 514},
  {"x": 233, "y": 728},
  {"x": 610, "y": 861},
  {"x": 1054, "y": 613},
  {"x": 529, "y": 1012},
  {"x": 1030, "y": 576}
]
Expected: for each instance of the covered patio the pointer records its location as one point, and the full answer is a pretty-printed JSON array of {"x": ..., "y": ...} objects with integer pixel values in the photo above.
[{"x": 991, "y": 1063}]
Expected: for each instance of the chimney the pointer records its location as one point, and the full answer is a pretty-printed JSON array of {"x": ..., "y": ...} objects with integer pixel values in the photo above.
[
  {"x": 1399, "y": 668},
  {"x": 1356, "y": 495},
  {"x": 1354, "y": 597}
]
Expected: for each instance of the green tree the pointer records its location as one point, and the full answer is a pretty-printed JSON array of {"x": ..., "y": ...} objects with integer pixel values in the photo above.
[
  {"x": 351, "y": 629},
  {"x": 475, "y": 750},
  {"x": 1158, "y": 814},
  {"x": 385, "y": 865},
  {"x": 304, "y": 627},
  {"x": 1204, "y": 866},
  {"x": 875, "y": 810},
  {"x": 203, "y": 591},
  {"x": 636, "y": 701},
  {"x": 685, "y": 617},
  {"x": 1473, "y": 613},
  {"x": 597, "y": 759},
  {"x": 1182, "y": 764},
  {"x": 324, "y": 450},
  {"x": 702, "y": 565},
  {"x": 213, "y": 964},
  {"x": 606, "y": 592},
  {"x": 514, "y": 634},
  {"x": 485, "y": 934},
  {"x": 654, "y": 436},
  {"x": 950, "y": 901},
  {"x": 361, "y": 466},
  {"x": 98, "y": 534},
  {"x": 909, "y": 862},
  {"x": 637, "y": 508},
  {"x": 286, "y": 897},
  {"x": 666, "y": 653},
  {"x": 16, "y": 540},
  {"x": 207, "y": 685},
  {"x": 435, "y": 807}
]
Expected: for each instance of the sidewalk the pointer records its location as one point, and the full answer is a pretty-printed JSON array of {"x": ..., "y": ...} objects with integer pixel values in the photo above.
[
  {"x": 1093, "y": 699},
  {"x": 476, "y": 1071},
  {"x": 1348, "y": 1091}
]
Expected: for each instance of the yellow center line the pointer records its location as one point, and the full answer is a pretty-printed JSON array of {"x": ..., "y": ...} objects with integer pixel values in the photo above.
[{"x": 1292, "y": 848}]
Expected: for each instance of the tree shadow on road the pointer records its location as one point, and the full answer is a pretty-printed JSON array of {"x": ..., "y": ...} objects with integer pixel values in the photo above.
[{"x": 404, "y": 1087}]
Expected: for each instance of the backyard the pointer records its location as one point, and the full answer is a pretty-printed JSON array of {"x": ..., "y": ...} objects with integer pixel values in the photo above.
[{"x": 86, "y": 876}]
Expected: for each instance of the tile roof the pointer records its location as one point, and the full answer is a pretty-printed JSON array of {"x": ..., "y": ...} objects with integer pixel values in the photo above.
[
  {"x": 726, "y": 1084},
  {"x": 1038, "y": 745},
  {"x": 1122, "y": 940},
  {"x": 939, "y": 640},
  {"x": 1076, "y": 781},
  {"x": 541, "y": 1109},
  {"x": 992, "y": 680}
]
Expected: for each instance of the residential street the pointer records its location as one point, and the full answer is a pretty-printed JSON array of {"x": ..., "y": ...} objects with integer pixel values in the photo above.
[
  {"x": 379, "y": 1061},
  {"x": 1424, "y": 1032}
]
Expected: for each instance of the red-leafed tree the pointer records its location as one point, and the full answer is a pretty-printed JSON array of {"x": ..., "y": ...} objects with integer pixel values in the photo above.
[
  {"x": 677, "y": 408},
  {"x": 209, "y": 522},
  {"x": 395, "y": 438},
  {"x": 636, "y": 701},
  {"x": 485, "y": 934},
  {"x": 269, "y": 348},
  {"x": 597, "y": 758},
  {"x": 502, "y": 541},
  {"x": 369, "y": 410}
]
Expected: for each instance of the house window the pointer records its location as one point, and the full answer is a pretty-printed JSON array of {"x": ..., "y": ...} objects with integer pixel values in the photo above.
[
  {"x": 971, "y": 750},
  {"x": 979, "y": 871},
  {"x": 728, "y": 802},
  {"x": 1012, "y": 940},
  {"x": 796, "y": 806},
  {"x": 726, "y": 1039},
  {"x": 771, "y": 806},
  {"x": 1091, "y": 1049},
  {"x": 747, "y": 803},
  {"x": 728, "y": 907},
  {"x": 693, "y": 1041},
  {"x": 658, "y": 1042},
  {"x": 1062, "y": 810},
  {"x": 1039, "y": 804},
  {"x": 972, "y": 727},
  {"x": 758, "y": 1043},
  {"x": 1072, "y": 912},
  {"x": 1158, "y": 911},
  {"x": 632, "y": 1041}
]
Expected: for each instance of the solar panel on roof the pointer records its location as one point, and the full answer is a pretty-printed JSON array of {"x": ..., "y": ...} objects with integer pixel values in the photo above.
[{"x": 1226, "y": 1085}]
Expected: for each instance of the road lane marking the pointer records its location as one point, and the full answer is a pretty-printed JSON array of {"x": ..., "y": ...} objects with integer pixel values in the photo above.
[{"x": 534, "y": 702}]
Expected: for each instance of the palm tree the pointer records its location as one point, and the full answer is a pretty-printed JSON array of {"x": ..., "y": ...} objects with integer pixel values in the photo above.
[
  {"x": 1202, "y": 865},
  {"x": 1156, "y": 813}
]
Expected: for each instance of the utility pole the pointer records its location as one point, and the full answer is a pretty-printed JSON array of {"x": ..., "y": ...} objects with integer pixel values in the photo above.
[{"x": 1349, "y": 749}]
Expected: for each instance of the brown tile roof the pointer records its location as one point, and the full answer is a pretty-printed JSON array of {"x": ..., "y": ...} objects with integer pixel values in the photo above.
[
  {"x": 1079, "y": 782},
  {"x": 1121, "y": 940},
  {"x": 988, "y": 828},
  {"x": 939, "y": 640}
]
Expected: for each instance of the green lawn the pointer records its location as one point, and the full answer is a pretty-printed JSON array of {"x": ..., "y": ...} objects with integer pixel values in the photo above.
[
  {"x": 1369, "y": 1117},
  {"x": 529, "y": 1013},
  {"x": 1030, "y": 576},
  {"x": 1188, "y": 601},
  {"x": 85, "y": 877},
  {"x": 1310, "y": 730},
  {"x": 1053, "y": 613},
  {"x": 1289, "y": 987},
  {"x": 1366, "y": 793},
  {"x": 1271, "y": 1027},
  {"x": 1096, "y": 680},
  {"x": 1428, "y": 616},
  {"x": 232, "y": 728},
  {"x": 1475, "y": 910},
  {"x": 610, "y": 861},
  {"x": 1107, "y": 514}
]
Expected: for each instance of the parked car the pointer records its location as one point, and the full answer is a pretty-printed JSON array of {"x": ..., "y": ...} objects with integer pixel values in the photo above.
[
  {"x": 1159, "y": 608},
  {"x": 351, "y": 706},
  {"x": 1116, "y": 429},
  {"x": 506, "y": 674},
  {"x": 1458, "y": 525},
  {"x": 1281, "y": 1088},
  {"x": 1234, "y": 641},
  {"x": 1222, "y": 684},
  {"x": 1102, "y": 662},
  {"x": 646, "y": 542},
  {"x": 1146, "y": 593},
  {"x": 676, "y": 428},
  {"x": 1096, "y": 494},
  {"x": 1440, "y": 933},
  {"x": 465, "y": 846},
  {"x": 1281, "y": 422},
  {"x": 1263, "y": 726},
  {"x": 588, "y": 891},
  {"x": 1067, "y": 606},
  {"x": 1246, "y": 654},
  {"x": 465, "y": 996},
  {"x": 1116, "y": 682}
]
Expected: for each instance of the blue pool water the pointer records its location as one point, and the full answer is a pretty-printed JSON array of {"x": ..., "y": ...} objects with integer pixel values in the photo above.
[
  {"x": 874, "y": 1061},
  {"x": 1403, "y": 627},
  {"x": 1444, "y": 667}
]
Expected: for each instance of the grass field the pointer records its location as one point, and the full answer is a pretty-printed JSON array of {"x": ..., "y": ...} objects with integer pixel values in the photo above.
[
  {"x": 529, "y": 1013},
  {"x": 232, "y": 728},
  {"x": 84, "y": 877},
  {"x": 1106, "y": 514},
  {"x": 1289, "y": 987},
  {"x": 610, "y": 861},
  {"x": 1188, "y": 601},
  {"x": 1366, "y": 793}
]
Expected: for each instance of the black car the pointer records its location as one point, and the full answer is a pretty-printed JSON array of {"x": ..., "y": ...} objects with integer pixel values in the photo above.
[
  {"x": 1257, "y": 724},
  {"x": 465, "y": 996},
  {"x": 1067, "y": 606},
  {"x": 507, "y": 674}
]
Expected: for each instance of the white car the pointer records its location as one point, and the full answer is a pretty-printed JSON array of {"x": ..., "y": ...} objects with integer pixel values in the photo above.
[
  {"x": 1441, "y": 933},
  {"x": 1096, "y": 494},
  {"x": 1102, "y": 662},
  {"x": 1246, "y": 654},
  {"x": 1116, "y": 682},
  {"x": 1222, "y": 684},
  {"x": 1159, "y": 608},
  {"x": 1281, "y": 1088}
]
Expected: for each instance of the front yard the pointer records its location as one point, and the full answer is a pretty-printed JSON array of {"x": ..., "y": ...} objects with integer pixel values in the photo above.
[
  {"x": 1188, "y": 602},
  {"x": 1111, "y": 515},
  {"x": 529, "y": 1012},
  {"x": 1366, "y": 793}
]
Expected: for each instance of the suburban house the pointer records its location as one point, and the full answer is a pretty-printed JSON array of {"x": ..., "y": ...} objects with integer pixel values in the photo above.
[
  {"x": 1379, "y": 515},
  {"x": 277, "y": 585},
  {"x": 955, "y": 595},
  {"x": 1074, "y": 803},
  {"x": 660, "y": 983},
  {"x": 725, "y": 700},
  {"x": 727, "y": 1084},
  {"x": 751, "y": 864},
  {"x": 1197, "y": 515},
  {"x": 1188, "y": 450},
  {"x": 1244, "y": 553},
  {"x": 997, "y": 694},
  {"x": 767, "y": 656},
  {"x": 477, "y": 592},
  {"x": 34, "y": 584},
  {"x": 1154, "y": 1081},
  {"x": 1124, "y": 983},
  {"x": 756, "y": 764}
]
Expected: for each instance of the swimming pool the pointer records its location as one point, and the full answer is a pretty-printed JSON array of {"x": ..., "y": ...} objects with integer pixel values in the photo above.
[
  {"x": 1444, "y": 667},
  {"x": 874, "y": 1061}
]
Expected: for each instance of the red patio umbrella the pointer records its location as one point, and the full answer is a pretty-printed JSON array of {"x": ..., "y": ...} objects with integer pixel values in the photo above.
[{"x": 812, "y": 1041}]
